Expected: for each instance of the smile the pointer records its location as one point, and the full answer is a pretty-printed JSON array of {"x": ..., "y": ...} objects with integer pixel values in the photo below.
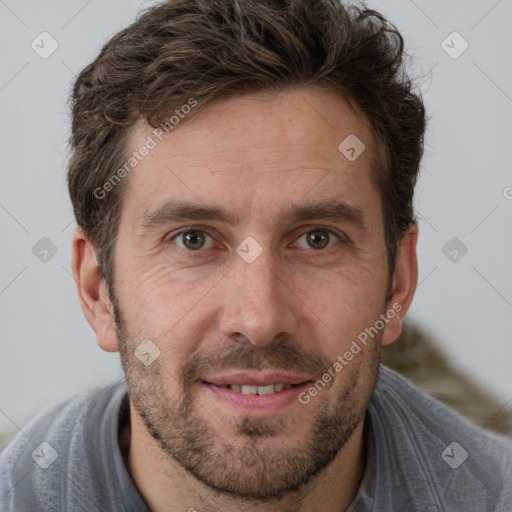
[
  {"x": 266, "y": 389},
  {"x": 249, "y": 393}
]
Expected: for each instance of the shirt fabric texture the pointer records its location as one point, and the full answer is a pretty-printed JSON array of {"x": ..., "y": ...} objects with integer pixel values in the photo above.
[{"x": 420, "y": 456}]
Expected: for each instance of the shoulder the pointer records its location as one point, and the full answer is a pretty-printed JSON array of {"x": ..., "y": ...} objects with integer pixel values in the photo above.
[
  {"x": 36, "y": 465},
  {"x": 457, "y": 463}
]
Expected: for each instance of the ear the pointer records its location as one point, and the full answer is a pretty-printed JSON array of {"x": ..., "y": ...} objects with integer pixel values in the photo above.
[
  {"x": 93, "y": 292},
  {"x": 405, "y": 280}
]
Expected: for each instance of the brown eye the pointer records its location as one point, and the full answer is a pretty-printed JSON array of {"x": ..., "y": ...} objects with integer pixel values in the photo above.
[
  {"x": 318, "y": 239},
  {"x": 193, "y": 240}
]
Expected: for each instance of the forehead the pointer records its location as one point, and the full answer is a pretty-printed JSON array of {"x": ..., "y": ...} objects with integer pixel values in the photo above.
[{"x": 279, "y": 142}]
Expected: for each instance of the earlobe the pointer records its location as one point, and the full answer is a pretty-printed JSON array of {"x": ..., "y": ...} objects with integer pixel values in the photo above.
[
  {"x": 405, "y": 280},
  {"x": 93, "y": 292}
]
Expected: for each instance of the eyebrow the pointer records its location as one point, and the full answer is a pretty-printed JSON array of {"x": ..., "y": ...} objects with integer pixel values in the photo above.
[{"x": 333, "y": 210}]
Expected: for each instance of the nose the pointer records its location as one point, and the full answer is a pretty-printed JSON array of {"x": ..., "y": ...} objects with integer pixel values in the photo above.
[{"x": 260, "y": 306}]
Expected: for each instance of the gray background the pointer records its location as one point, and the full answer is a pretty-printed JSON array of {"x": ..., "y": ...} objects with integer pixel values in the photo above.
[{"x": 48, "y": 351}]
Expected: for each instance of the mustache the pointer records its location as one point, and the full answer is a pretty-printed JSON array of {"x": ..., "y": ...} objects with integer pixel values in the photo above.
[{"x": 245, "y": 356}]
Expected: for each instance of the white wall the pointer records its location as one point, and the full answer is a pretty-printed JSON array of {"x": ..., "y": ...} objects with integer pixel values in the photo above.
[
  {"x": 47, "y": 350},
  {"x": 465, "y": 189}
]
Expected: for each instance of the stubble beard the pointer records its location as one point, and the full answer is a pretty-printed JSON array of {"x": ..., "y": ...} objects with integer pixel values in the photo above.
[{"x": 255, "y": 465}]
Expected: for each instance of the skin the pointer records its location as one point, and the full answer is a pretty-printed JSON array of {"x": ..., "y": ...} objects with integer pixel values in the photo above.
[{"x": 256, "y": 155}]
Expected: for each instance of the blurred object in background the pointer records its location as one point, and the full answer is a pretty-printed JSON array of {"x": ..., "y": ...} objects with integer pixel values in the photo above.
[{"x": 416, "y": 357}]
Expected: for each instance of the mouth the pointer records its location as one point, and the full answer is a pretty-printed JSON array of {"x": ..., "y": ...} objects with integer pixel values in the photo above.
[
  {"x": 255, "y": 393},
  {"x": 266, "y": 389}
]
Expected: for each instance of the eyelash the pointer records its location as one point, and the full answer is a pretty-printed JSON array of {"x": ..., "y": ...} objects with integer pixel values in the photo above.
[{"x": 198, "y": 253}]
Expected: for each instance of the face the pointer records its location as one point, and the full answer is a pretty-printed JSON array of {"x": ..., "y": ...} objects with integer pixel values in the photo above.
[{"x": 251, "y": 254}]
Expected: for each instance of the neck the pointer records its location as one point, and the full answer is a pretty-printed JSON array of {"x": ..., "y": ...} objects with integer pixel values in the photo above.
[{"x": 166, "y": 486}]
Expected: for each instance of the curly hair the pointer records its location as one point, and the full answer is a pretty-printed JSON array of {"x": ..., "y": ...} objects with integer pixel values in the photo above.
[{"x": 213, "y": 49}]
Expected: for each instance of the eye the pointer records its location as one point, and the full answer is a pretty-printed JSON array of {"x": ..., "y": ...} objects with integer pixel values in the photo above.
[
  {"x": 192, "y": 240},
  {"x": 318, "y": 238}
]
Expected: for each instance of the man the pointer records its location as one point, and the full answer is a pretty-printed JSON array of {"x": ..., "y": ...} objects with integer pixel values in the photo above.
[{"x": 242, "y": 175}]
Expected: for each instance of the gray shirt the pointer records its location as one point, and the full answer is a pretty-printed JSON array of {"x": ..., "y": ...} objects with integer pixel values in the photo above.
[{"x": 420, "y": 456}]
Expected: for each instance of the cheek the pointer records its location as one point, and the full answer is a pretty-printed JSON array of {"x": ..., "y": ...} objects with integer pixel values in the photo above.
[
  {"x": 340, "y": 306},
  {"x": 349, "y": 289},
  {"x": 159, "y": 307}
]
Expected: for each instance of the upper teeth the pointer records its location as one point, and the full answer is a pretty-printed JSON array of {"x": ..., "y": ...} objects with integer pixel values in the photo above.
[{"x": 247, "y": 389}]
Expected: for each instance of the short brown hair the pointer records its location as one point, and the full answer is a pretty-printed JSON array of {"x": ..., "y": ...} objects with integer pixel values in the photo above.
[{"x": 212, "y": 49}]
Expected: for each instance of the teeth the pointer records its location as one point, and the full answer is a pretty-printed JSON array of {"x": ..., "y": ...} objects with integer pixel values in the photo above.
[{"x": 268, "y": 389}]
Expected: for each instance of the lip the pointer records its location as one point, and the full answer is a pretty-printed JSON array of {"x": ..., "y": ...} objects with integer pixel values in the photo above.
[{"x": 254, "y": 405}]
